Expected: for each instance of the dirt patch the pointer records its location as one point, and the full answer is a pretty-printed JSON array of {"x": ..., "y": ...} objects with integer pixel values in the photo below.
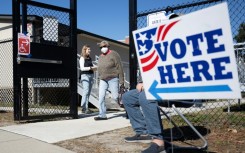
[
  {"x": 108, "y": 142},
  {"x": 6, "y": 118},
  {"x": 220, "y": 140}
]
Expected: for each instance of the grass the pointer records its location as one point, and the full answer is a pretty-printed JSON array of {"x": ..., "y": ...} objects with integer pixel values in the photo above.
[{"x": 215, "y": 117}]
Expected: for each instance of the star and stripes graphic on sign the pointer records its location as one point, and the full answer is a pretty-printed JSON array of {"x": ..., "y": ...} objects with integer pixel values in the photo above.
[{"x": 145, "y": 43}]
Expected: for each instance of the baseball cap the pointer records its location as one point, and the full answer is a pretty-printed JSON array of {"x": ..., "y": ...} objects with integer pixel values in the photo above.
[{"x": 104, "y": 43}]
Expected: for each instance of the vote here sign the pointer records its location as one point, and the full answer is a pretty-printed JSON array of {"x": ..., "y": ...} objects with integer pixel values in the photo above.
[{"x": 189, "y": 57}]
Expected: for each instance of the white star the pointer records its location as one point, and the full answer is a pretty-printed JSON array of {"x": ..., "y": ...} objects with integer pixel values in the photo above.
[
  {"x": 153, "y": 38},
  {"x": 143, "y": 49},
  {"x": 142, "y": 37}
]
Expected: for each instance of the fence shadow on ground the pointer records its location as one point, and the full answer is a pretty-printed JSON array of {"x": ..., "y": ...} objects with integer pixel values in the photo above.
[
  {"x": 188, "y": 139},
  {"x": 97, "y": 113},
  {"x": 189, "y": 134},
  {"x": 3, "y": 111},
  {"x": 192, "y": 151}
]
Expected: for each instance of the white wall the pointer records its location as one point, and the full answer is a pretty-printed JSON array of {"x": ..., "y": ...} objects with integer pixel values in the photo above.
[
  {"x": 5, "y": 33},
  {"x": 6, "y": 61}
]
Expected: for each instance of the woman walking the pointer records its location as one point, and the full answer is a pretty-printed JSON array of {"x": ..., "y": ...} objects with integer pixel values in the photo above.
[{"x": 87, "y": 76}]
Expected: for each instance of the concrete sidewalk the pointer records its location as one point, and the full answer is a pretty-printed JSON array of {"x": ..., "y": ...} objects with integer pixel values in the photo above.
[
  {"x": 38, "y": 137},
  {"x": 16, "y": 143}
]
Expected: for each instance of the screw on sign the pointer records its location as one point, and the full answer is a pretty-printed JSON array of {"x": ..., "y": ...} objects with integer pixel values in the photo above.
[{"x": 23, "y": 44}]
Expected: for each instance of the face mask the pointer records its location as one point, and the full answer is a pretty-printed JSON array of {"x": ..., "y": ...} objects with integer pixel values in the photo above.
[{"x": 104, "y": 50}]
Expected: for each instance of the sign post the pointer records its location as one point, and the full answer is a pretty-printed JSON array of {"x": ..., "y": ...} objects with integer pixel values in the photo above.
[{"x": 23, "y": 44}]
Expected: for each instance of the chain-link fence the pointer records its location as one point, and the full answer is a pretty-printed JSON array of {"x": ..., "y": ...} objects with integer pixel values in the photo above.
[
  {"x": 229, "y": 112},
  {"x": 6, "y": 75},
  {"x": 48, "y": 25},
  {"x": 44, "y": 97}
]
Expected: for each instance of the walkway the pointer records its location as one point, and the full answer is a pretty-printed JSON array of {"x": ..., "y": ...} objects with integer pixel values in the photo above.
[{"x": 38, "y": 137}]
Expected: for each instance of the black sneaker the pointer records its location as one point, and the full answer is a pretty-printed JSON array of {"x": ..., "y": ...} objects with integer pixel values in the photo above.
[
  {"x": 154, "y": 148},
  {"x": 100, "y": 118},
  {"x": 139, "y": 138}
]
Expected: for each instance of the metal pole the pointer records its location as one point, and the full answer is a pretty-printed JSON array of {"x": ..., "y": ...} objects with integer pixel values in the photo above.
[
  {"x": 24, "y": 17},
  {"x": 205, "y": 143},
  {"x": 73, "y": 44},
  {"x": 132, "y": 53},
  {"x": 16, "y": 78},
  {"x": 25, "y": 80}
]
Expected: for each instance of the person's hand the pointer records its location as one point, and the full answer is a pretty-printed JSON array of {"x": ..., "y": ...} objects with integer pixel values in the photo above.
[
  {"x": 121, "y": 87},
  {"x": 94, "y": 68},
  {"x": 140, "y": 87}
]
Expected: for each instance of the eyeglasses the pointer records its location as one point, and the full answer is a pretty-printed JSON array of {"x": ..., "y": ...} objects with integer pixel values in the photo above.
[{"x": 103, "y": 46}]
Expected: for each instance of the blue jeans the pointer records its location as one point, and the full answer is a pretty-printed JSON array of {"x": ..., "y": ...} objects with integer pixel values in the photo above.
[
  {"x": 113, "y": 86},
  {"x": 144, "y": 115},
  {"x": 87, "y": 82}
]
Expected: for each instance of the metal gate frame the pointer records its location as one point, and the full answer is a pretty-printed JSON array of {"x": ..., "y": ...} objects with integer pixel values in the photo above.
[{"x": 21, "y": 75}]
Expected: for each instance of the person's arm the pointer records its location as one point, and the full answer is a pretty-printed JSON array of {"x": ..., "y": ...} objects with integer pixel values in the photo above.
[
  {"x": 119, "y": 68},
  {"x": 139, "y": 86},
  {"x": 82, "y": 68},
  {"x": 139, "y": 79},
  {"x": 94, "y": 68}
]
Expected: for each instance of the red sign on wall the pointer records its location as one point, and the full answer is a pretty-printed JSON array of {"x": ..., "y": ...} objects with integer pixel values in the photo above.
[{"x": 23, "y": 44}]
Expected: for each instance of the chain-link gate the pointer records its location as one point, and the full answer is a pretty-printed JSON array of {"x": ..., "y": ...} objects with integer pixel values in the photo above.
[
  {"x": 45, "y": 80},
  {"x": 211, "y": 112},
  {"x": 6, "y": 75}
]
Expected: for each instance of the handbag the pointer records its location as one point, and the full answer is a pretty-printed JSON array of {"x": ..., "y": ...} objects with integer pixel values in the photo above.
[{"x": 122, "y": 90}]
